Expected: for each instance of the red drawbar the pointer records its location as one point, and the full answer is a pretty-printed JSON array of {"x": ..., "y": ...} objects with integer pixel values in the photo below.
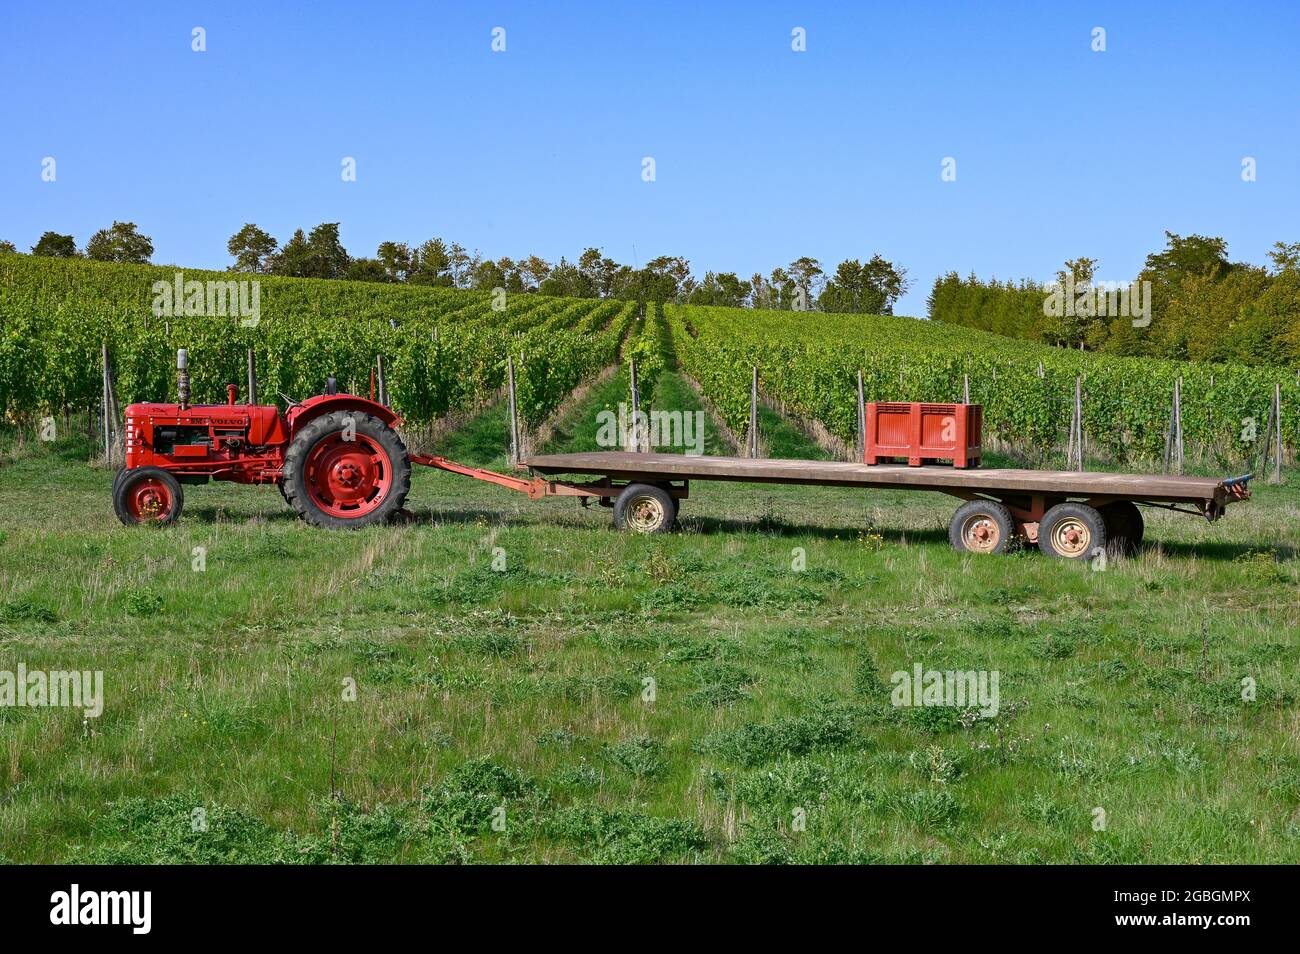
[{"x": 924, "y": 432}]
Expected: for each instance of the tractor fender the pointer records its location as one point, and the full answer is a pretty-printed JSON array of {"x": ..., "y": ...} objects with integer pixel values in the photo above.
[{"x": 300, "y": 415}]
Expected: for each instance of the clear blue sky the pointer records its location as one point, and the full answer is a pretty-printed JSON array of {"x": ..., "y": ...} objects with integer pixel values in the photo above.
[{"x": 763, "y": 154}]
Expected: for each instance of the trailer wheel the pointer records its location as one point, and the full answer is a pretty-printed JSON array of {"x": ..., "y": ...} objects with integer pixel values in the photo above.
[
  {"x": 981, "y": 526},
  {"x": 644, "y": 508},
  {"x": 1072, "y": 532},
  {"x": 677, "y": 503},
  {"x": 1124, "y": 527},
  {"x": 147, "y": 495},
  {"x": 340, "y": 483}
]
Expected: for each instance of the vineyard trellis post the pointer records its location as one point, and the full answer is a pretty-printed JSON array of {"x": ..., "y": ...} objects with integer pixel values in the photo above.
[
  {"x": 1273, "y": 437},
  {"x": 1074, "y": 453},
  {"x": 108, "y": 404},
  {"x": 1277, "y": 435},
  {"x": 753, "y": 413},
  {"x": 103, "y": 400},
  {"x": 1178, "y": 411},
  {"x": 635, "y": 416},
  {"x": 862, "y": 421},
  {"x": 252, "y": 379},
  {"x": 1174, "y": 438},
  {"x": 383, "y": 386},
  {"x": 514, "y": 410},
  {"x": 965, "y": 388}
]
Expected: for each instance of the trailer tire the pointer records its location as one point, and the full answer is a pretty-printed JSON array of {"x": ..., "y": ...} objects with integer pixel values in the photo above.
[
  {"x": 645, "y": 508},
  {"x": 677, "y": 503},
  {"x": 981, "y": 526},
  {"x": 1071, "y": 531},
  {"x": 339, "y": 484},
  {"x": 147, "y": 495},
  {"x": 1124, "y": 527}
]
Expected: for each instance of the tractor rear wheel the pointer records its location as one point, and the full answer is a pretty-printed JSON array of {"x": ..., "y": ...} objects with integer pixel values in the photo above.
[
  {"x": 346, "y": 469},
  {"x": 147, "y": 495}
]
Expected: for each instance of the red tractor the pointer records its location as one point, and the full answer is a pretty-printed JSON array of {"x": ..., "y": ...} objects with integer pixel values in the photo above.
[{"x": 336, "y": 457}]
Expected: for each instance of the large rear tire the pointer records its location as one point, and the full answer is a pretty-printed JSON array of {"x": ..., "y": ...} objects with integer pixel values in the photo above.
[
  {"x": 147, "y": 495},
  {"x": 340, "y": 483}
]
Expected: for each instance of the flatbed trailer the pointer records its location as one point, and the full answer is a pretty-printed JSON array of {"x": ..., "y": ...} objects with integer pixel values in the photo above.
[
  {"x": 1067, "y": 513},
  {"x": 339, "y": 462}
]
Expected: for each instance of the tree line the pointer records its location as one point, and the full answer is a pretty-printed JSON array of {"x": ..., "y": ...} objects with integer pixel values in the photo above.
[
  {"x": 1201, "y": 306},
  {"x": 870, "y": 287}
]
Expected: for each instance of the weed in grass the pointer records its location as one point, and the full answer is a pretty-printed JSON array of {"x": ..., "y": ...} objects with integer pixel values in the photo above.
[
  {"x": 625, "y": 837},
  {"x": 1261, "y": 567},
  {"x": 1054, "y": 646},
  {"x": 640, "y": 756},
  {"x": 669, "y": 598},
  {"x": 1041, "y": 809},
  {"x": 477, "y": 585},
  {"x": 26, "y": 611},
  {"x": 938, "y": 767},
  {"x": 463, "y": 805},
  {"x": 498, "y": 643},
  {"x": 999, "y": 731},
  {"x": 185, "y": 829},
  {"x": 558, "y": 738},
  {"x": 615, "y": 685},
  {"x": 721, "y": 683},
  {"x": 931, "y": 810},
  {"x": 742, "y": 588},
  {"x": 828, "y": 725},
  {"x": 687, "y": 649},
  {"x": 582, "y": 776},
  {"x": 141, "y": 602}
]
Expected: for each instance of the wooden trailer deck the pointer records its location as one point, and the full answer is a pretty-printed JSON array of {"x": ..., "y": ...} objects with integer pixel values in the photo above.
[{"x": 1203, "y": 492}]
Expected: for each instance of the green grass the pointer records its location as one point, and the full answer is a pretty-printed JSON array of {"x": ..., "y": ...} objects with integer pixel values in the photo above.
[{"x": 526, "y": 690}]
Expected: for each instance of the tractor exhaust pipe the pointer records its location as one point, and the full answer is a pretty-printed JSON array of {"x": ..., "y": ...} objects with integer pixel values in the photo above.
[{"x": 183, "y": 377}]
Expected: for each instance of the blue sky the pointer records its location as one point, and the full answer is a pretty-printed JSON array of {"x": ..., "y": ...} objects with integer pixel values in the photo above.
[{"x": 762, "y": 154}]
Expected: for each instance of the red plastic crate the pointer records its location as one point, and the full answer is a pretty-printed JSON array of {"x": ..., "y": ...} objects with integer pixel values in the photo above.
[{"x": 924, "y": 432}]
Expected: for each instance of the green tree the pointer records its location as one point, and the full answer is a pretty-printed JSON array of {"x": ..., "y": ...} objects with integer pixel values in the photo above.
[
  {"x": 252, "y": 249},
  {"x": 1286, "y": 258},
  {"x": 8, "y": 248},
  {"x": 432, "y": 265},
  {"x": 367, "y": 270},
  {"x": 665, "y": 278},
  {"x": 294, "y": 258},
  {"x": 489, "y": 275},
  {"x": 319, "y": 254},
  {"x": 1193, "y": 255},
  {"x": 121, "y": 242},
  {"x": 807, "y": 275},
  {"x": 329, "y": 259},
  {"x": 869, "y": 289},
  {"x": 397, "y": 260}
]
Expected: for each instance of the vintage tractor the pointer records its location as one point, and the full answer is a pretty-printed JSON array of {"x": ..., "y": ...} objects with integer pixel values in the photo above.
[{"x": 335, "y": 457}]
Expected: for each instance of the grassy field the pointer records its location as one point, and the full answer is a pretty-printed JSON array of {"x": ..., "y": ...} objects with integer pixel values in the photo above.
[{"x": 615, "y": 698}]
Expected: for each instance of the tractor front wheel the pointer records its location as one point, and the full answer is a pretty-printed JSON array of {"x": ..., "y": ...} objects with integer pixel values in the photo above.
[
  {"x": 147, "y": 495},
  {"x": 345, "y": 470}
]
